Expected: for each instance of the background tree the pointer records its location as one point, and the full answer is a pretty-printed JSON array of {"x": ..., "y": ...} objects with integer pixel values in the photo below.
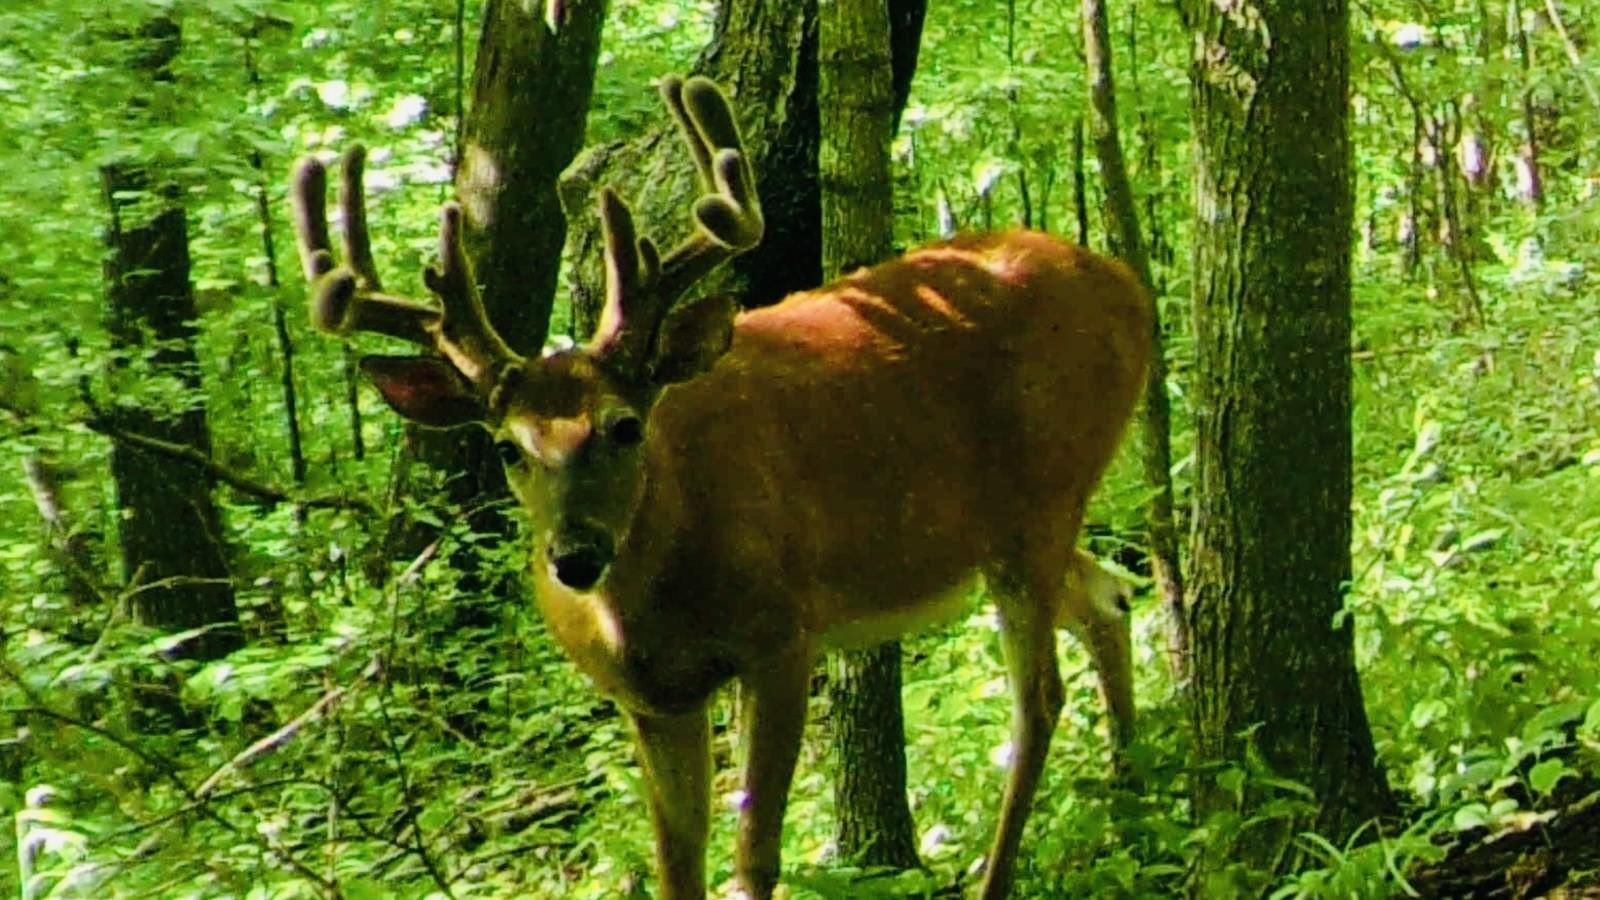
[
  {"x": 766, "y": 56},
  {"x": 524, "y": 123},
  {"x": 855, "y": 95},
  {"x": 1126, "y": 242},
  {"x": 169, "y": 529},
  {"x": 1274, "y": 670}
]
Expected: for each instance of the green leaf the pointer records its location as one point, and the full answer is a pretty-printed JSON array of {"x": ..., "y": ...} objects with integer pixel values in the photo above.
[
  {"x": 1231, "y": 780},
  {"x": 1545, "y": 775},
  {"x": 365, "y": 889},
  {"x": 1426, "y": 712},
  {"x": 1473, "y": 815}
]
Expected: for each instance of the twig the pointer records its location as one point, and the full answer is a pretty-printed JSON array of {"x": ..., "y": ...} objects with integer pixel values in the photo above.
[
  {"x": 175, "y": 581},
  {"x": 419, "y": 842},
  {"x": 256, "y": 787},
  {"x": 166, "y": 770},
  {"x": 170, "y": 774},
  {"x": 271, "y": 743},
  {"x": 414, "y": 570}
]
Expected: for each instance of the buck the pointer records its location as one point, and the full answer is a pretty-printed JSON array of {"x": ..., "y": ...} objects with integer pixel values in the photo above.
[{"x": 717, "y": 495}]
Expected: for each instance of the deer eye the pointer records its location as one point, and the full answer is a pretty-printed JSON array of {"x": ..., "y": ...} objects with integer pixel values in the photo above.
[
  {"x": 510, "y": 454},
  {"x": 626, "y": 430}
]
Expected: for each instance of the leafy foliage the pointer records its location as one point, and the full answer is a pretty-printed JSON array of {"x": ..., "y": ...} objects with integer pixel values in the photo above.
[{"x": 364, "y": 738}]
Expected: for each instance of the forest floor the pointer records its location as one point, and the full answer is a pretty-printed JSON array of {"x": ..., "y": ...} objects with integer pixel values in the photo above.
[{"x": 1557, "y": 855}]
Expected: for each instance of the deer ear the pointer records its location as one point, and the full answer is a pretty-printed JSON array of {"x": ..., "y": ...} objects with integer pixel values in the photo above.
[
  {"x": 693, "y": 337},
  {"x": 424, "y": 389}
]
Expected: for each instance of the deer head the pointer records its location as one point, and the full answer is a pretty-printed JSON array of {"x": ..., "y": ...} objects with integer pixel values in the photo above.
[{"x": 569, "y": 426}]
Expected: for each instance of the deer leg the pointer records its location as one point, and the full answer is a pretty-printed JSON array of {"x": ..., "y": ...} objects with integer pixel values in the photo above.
[
  {"x": 1095, "y": 607},
  {"x": 1028, "y": 636},
  {"x": 675, "y": 753},
  {"x": 1108, "y": 645},
  {"x": 774, "y": 717}
]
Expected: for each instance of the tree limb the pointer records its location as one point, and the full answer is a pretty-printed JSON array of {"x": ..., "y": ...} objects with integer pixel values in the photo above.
[{"x": 102, "y": 424}]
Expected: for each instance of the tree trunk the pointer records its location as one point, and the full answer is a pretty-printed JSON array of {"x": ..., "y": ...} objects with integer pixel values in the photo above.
[
  {"x": 530, "y": 101},
  {"x": 170, "y": 531},
  {"x": 1530, "y": 175},
  {"x": 764, "y": 55},
  {"x": 905, "y": 44},
  {"x": 856, "y": 100},
  {"x": 873, "y": 825},
  {"x": 1126, "y": 241},
  {"x": 1273, "y": 664}
]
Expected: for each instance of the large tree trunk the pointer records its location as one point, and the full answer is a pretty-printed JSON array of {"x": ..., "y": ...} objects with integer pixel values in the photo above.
[
  {"x": 855, "y": 94},
  {"x": 530, "y": 100},
  {"x": 1273, "y": 665},
  {"x": 764, "y": 55},
  {"x": 169, "y": 529}
]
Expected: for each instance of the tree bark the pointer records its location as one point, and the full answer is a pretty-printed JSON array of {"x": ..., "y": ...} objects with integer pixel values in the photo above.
[
  {"x": 856, "y": 100},
  {"x": 530, "y": 101},
  {"x": 1273, "y": 663},
  {"x": 170, "y": 531},
  {"x": 1127, "y": 243},
  {"x": 873, "y": 825}
]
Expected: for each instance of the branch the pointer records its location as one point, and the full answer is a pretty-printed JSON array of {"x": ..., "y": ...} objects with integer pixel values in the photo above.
[
  {"x": 271, "y": 743},
  {"x": 184, "y": 453},
  {"x": 419, "y": 843}
]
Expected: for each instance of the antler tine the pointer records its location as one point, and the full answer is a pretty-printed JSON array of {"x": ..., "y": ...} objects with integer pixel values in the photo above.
[
  {"x": 632, "y": 263},
  {"x": 308, "y": 186},
  {"x": 728, "y": 217},
  {"x": 343, "y": 300},
  {"x": 353, "y": 207},
  {"x": 464, "y": 334},
  {"x": 641, "y": 284}
]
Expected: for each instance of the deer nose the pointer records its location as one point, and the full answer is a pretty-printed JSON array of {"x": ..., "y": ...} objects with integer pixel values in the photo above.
[{"x": 579, "y": 553}]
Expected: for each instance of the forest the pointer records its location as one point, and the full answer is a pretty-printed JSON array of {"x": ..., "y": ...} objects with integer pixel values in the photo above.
[{"x": 270, "y": 630}]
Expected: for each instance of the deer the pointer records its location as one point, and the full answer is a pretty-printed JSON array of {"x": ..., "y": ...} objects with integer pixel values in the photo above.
[{"x": 719, "y": 495}]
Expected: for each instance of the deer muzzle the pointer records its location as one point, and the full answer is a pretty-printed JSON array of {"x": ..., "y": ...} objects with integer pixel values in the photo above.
[{"x": 579, "y": 554}]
